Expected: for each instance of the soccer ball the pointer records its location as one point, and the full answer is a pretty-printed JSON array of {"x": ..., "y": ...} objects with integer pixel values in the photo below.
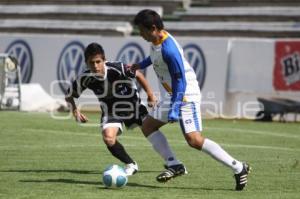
[{"x": 114, "y": 176}]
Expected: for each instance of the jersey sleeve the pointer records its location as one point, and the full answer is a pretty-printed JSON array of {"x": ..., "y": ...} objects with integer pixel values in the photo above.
[
  {"x": 78, "y": 86},
  {"x": 172, "y": 57},
  {"x": 127, "y": 72},
  {"x": 145, "y": 63},
  {"x": 120, "y": 69}
]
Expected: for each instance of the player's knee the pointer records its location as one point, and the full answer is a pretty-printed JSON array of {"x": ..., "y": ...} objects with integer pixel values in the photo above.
[
  {"x": 147, "y": 129},
  {"x": 195, "y": 140},
  {"x": 151, "y": 125},
  {"x": 193, "y": 144},
  {"x": 109, "y": 141}
]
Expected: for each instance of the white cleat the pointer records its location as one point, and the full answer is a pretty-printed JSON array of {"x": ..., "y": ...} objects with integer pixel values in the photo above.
[{"x": 131, "y": 168}]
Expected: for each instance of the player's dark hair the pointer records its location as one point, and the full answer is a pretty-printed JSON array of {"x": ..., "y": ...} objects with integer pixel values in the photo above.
[
  {"x": 93, "y": 49},
  {"x": 148, "y": 18}
]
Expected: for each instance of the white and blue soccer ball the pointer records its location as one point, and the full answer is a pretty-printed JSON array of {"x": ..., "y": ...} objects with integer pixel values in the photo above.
[{"x": 114, "y": 176}]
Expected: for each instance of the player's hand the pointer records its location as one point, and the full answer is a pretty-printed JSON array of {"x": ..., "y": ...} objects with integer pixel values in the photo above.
[
  {"x": 79, "y": 117},
  {"x": 173, "y": 116},
  {"x": 133, "y": 67},
  {"x": 152, "y": 100}
]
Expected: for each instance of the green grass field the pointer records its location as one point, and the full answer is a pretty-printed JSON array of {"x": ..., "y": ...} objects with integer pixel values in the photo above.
[{"x": 42, "y": 157}]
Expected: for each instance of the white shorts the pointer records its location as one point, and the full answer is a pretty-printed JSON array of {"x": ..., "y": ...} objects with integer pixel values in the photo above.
[
  {"x": 190, "y": 115},
  {"x": 109, "y": 121}
]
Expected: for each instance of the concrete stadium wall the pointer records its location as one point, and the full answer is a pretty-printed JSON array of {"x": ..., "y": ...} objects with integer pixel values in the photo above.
[
  {"x": 261, "y": 68},
  {"x": 231, "y": 72}
]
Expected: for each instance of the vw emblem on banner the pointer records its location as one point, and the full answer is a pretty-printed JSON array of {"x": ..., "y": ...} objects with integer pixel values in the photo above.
[
  {"x": 70, "y": 63},
  {"x": 22, "y": 52},
  {"x": 195, "y": 57},
  {"x": 131, "y": 53}
]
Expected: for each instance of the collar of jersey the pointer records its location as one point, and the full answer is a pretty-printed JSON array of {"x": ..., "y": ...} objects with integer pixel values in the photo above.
[
  {"x": 105, "y": 70},
  {"x": 164, "y": 37}
]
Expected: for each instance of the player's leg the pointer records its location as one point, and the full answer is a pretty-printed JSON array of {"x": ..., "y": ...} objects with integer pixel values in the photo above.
[
  {"x": 197, "y": 141},
  {"x": 150, "y": 127},
  {"x": 110, "y": 132},
  {"x": 241, "y": 170},
  {"x": 160, "y": 144},
  {"x": 191, "y": 125},
  {"x": 157, "y": 118}
]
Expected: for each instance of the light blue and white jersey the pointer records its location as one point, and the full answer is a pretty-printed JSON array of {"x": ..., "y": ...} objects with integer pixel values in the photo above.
[{"x": 172, "y": 69}]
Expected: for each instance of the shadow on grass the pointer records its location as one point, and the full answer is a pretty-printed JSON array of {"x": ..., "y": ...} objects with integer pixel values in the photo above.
[
  {"x": 62, "y": 171},
  {"x": 130, "y": 184},
  {"x": 52, "y": 171},
  {"x": 169, "y": 186},
  {"x": 99, "y": 183},
  {"x": 143, "y": 171},
  {"x": 68, "y": 181}
]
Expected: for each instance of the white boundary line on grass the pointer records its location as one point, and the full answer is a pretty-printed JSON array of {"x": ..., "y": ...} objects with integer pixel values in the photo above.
[
  {"x": 39, "y": 147},
  {"x": 183, "y": 142},
  {"x": 63, "y": 132},
  {"x": 238, "y": 130},
  {"x": 258, "y": 147},
  {"x": 228, "y": 130},
  {"x": 179, "y": 142}
]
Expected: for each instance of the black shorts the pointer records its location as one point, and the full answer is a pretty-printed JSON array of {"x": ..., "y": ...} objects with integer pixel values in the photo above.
[{"x": 130, "y": 119}]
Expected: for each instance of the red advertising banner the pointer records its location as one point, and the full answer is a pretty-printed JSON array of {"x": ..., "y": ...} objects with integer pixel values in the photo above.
[{"x": 286, "y": 75}]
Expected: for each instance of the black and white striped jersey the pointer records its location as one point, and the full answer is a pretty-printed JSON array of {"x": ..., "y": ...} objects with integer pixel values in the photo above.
[{"x": 116, "y": 91}]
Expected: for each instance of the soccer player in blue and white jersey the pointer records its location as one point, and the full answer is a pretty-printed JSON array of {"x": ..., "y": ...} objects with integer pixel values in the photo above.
[
  {"x": 180, "y": 97},
  {"x": 114, "y": 86}
]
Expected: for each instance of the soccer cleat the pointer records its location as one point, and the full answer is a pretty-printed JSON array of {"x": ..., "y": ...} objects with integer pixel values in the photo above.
[
  {"x": 171, "y": 172},
  {"x": 241, "y": 178},
  {"x": 131, "y": 168}
]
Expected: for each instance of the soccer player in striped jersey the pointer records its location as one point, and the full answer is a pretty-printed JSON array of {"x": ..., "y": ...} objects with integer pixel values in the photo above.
[
  {"x": 180, "y": 97},
  {"x": 113, "y": 85}
]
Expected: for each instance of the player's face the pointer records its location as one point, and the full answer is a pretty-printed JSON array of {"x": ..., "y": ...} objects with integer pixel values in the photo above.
[
  {"x": 147, "y": 34},
  {"x": 96, "y": 64}
]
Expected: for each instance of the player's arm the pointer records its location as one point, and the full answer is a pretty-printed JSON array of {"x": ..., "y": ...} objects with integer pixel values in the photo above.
[
  {"x": 142, "y": 65},
  {"x": 75, "y": 111},
  {"x": 147, "y": 88},
  {"x": 174, "y": 61},
  {"x": 74, "y": 92}
]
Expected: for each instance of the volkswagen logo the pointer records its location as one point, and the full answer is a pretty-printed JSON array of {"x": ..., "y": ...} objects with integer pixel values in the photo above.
[
  {"x": 195, "y": 57},
  {"x": 131, "y": 53},
  {"x": 70, "y": 64},
  {"x": 22, "y": 52}
]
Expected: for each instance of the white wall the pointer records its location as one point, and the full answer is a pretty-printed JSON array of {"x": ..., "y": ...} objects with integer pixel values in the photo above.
[
  {"x": 252, "y": 74},
  {"x": 47, "y": 49},
  {"x": 236, "y": 70}
]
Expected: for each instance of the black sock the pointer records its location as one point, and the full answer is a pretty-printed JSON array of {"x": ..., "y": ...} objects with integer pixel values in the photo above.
[{"x": 119, "y": 152}]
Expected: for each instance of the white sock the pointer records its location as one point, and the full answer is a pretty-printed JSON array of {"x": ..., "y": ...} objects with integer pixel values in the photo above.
[
  {"x": 161, "y": 146},
  {"x": 219, "y": 154}
]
